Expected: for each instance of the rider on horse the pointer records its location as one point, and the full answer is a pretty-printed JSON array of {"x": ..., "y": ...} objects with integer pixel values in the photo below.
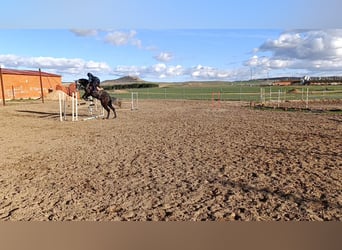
[{"x": 94, "y": 82}]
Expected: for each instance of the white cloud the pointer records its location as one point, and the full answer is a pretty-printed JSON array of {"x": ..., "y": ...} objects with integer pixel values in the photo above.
[
  {"x": 177, "y": 70},
  {"x": 210, "y": 73},
  {"x": 73, "y": 68},
  {"x": 116, "y": 38},
  {"x": 181, "y": 73},
  {"x": 164, "y": 57},
  {"x": 119, "y": 38},
  {"x": 63, "y": 66},
  {"x": 314, "y": 50},
  {"x": 124, "y": 70},
  {"x": 160, "y": 67},
  {"x": 84, "y": 32},
  {"x": 160, "y": 70}
]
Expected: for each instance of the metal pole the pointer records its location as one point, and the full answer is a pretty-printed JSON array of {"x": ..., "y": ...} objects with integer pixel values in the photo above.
[
  {"x": 41, "y": 85},
  {"x": 2, "y": 88}
]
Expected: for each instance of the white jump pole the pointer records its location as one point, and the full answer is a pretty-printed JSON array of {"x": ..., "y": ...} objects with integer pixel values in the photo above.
[
  {"x": 60, "y": 107},
  {"x": 63, "y": 106},
  {"x": 64, "y": 109},
  {"x": 74, "y": 103},
  {"x": 132, "y": 101},
  {"x": 73, "y": 107},
  {"x": 134, "y": 105},
  {"x": 76, "y": 100}
]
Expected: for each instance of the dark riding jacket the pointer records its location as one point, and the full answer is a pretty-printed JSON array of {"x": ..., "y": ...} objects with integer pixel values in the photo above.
[{"x": 94, "y": 81}]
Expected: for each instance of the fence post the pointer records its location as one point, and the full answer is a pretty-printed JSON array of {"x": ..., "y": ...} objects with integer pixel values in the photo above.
[
  {"x": 240, "y": 94},
  {"x": 2, "y": 88},
  {"x": 262, "y": 95},
  {"x": 41, "y": 85},
  {"x": 215, "y": 100}
]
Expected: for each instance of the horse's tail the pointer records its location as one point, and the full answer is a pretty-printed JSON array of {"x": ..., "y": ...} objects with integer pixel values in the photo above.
[{"x": 116, "y": 101}]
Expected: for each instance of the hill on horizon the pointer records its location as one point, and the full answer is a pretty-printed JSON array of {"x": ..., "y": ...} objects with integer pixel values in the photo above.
[{"x": 123, "y": 80}]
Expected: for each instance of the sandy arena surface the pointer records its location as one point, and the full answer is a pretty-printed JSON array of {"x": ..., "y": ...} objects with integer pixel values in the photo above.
[{"x": 170, "y": 161}]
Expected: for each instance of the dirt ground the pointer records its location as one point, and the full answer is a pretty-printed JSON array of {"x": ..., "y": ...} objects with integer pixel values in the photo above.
[{"x": 170, "y": 161}]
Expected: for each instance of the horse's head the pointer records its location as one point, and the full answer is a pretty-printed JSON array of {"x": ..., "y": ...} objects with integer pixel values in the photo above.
[{"x": 81, "y": 83}]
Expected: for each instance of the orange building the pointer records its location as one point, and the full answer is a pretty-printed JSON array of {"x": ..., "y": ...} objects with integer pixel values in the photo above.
[{"x": 26, "y": 83}]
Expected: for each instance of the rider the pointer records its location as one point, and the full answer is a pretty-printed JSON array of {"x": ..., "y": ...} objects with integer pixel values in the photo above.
[{"x": 94, "y": 81}]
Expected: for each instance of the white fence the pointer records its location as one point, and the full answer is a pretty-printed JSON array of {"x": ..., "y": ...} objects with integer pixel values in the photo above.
[
  {"x": 282, "y": 96},
  {"x": 92, "y": 109},
  {"x": 88, "y": 109}
]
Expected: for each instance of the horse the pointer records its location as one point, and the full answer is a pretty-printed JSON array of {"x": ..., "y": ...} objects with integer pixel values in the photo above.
[{"x": 105, "y": 99}]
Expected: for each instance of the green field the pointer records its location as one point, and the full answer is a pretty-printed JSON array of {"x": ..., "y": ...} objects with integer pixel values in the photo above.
[{"x": 234, "y": 92}]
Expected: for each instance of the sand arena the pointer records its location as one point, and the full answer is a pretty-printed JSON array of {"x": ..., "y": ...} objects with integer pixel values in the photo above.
[{"x": 170, "y": 161}]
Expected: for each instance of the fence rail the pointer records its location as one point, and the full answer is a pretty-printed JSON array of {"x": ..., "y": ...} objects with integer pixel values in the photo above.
[{"x": 253, "y": 93}]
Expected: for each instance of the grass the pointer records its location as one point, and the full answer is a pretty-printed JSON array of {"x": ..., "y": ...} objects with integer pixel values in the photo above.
[{"x": 234, "y": 92}]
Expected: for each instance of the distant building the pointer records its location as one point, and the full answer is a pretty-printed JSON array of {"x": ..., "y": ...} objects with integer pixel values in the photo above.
[
  {"x": 307, "y": 80},
  {"x": 25, "y": 84}
]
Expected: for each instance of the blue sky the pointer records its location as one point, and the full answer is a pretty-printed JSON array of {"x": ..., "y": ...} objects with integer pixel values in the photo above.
[{"x": 172, "y": 40}]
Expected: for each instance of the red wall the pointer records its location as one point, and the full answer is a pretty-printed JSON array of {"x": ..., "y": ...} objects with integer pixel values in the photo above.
[{"x": 27, "y": 86}]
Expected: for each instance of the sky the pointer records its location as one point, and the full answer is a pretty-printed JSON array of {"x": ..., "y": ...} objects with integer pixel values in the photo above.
[{"x": 173, "y": 41}]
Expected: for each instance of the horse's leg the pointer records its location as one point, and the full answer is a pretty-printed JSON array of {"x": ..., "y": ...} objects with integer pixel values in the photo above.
[
  {"x": 108, "y": 111},
  {"x": 105, "y": 106},
  {"x": 85, "y": 95},
  {"x": 112, "y": 108}
]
